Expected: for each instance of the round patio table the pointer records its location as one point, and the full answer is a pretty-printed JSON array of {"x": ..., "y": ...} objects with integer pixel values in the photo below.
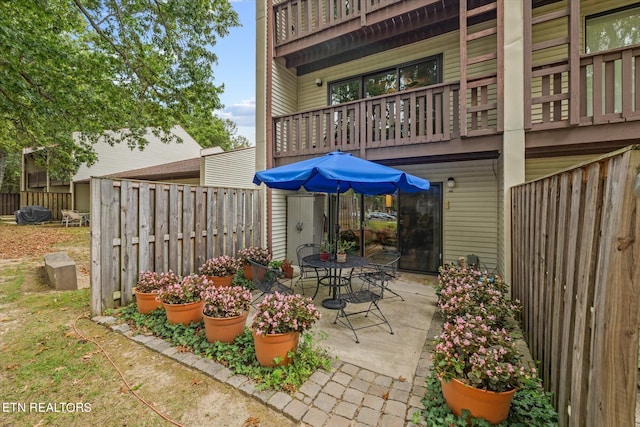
[{"x": 335, "y": 279}]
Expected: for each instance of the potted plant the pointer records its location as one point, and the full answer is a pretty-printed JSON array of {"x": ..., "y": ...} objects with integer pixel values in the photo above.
[
  {"x": 146, "y": 290},
  {"x": 341, "y": 249},
  {"x": 287, "y": 269},
  {"x": 475, "y": 358},
  {"x": 256, "y": 254},
  {"x": 220, "y": 270},
  {"x": 277, "y": 324},
  {"x": 225, "y": 312},
  {"x": 325, "y": 250},
  {"x": 183, "y": 300}
]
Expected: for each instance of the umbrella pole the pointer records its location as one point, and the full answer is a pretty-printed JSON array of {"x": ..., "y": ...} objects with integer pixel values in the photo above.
[{"x": 337, "y": 230}]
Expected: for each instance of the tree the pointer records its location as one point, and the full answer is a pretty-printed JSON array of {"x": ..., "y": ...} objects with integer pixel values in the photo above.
[
  {"x": 96, "y": 65},
  {"x": 215, "y": 132}
]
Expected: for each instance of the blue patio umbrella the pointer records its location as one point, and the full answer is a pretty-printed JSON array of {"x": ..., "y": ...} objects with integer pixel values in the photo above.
[{"x": 337, "y": 172}]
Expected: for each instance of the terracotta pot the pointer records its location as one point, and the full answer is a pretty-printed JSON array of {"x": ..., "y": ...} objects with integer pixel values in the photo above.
[
  {"x": 288, "y": 272},
  {"x": 248, "y": 273},
  {"x": 221, "y": 281},
  {"x": 224, "y": 329},
  {"x": 492, "y": 406},
  {"x": 184, "y": 313},
  {"x": 275, "y": 345},
  {"x": 146, "y": 301}
]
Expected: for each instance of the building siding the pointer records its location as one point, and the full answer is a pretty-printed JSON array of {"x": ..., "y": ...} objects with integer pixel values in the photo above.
[
  {"x": 537, "y": 168},
  {"x": 231, "y": 169}
]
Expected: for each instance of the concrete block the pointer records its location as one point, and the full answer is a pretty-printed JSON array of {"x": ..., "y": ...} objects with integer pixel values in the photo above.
[{"x": 61, "y": 271}]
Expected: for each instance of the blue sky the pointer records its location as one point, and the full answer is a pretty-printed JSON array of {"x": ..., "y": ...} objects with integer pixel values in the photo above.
[{"x": 237, "y": 70}]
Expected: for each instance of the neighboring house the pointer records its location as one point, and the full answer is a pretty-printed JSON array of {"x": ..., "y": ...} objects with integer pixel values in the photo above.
[
  {"x": 229, "y": 168},
  {"x": 121, "y": 161},
  {"x": 489, "y": 93}
]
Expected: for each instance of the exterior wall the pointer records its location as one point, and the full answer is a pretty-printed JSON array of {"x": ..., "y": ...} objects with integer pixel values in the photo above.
[
  {"x": 502, "y": 254},
  {"x": 537, "y": 168},
  {"x": 231, "y": 168},
  {"x": 312, "y": 96},
  {"x": 471, "y": 220},
  {"x": 279, "y": 224},
  {"x": 120, "y": 157},
  {"x": 82, "y": 197}
]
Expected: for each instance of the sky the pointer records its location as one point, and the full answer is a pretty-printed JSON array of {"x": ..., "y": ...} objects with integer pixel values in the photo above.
[{"x": 237, "y": 70}]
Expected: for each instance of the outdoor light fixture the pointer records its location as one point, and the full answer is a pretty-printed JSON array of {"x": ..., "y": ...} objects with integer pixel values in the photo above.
[
  {"x": 318, "y": 82},
  {"x": 451, "y": 182}
]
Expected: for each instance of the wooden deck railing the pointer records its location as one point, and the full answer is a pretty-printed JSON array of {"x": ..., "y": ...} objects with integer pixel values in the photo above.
[
  {"x": 424, "y": 115},
  {"x": 294, "y": 19},
  {"x": 609, "y": 90}
]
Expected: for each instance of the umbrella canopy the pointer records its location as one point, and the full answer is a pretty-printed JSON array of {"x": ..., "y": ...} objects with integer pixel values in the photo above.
[{"x": 337, "y": 172}]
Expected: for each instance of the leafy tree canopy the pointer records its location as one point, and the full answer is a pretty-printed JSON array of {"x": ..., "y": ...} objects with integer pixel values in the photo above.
[{"x": 93, "y": 65}]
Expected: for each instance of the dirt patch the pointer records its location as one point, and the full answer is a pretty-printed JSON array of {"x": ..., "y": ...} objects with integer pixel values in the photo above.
[{"x": 19, "y": 242}]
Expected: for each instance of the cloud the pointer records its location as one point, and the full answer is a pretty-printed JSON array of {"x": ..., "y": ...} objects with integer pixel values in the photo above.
[{"x": 243, "y": 113}]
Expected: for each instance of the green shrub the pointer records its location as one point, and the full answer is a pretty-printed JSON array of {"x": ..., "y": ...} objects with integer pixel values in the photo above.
[{"x": 239, "y": 356}]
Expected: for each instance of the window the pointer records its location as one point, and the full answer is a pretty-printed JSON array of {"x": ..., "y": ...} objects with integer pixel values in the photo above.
[
  {"x": 618, "y": 28},
  {"x": 403, "y": 77},
  {"x": 605, "y": 31}
]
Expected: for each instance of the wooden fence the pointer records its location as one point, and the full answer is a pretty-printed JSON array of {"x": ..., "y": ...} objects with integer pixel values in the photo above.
[
  {"x": 9, "y": 203},
  {"x": 576, "y": 269},
  {"x": 55, "y": 202},
  {"x": 139, "y": 226}
]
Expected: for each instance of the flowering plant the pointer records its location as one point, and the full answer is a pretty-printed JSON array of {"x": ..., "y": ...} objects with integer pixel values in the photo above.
[
  {"x": 479, "y": 355},
  {"x": 279, "y": 313},
  {"x": 255, "y": 254},
  {"x": 467, "y": 291},
  {"x": 223, "y": 265},
  {"x": 226, "y": 301},
  {"x": 189, "y": 289},
  {"x": 150, "y": 281}
]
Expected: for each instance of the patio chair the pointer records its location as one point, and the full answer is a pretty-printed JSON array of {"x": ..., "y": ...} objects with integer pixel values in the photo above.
[
  {"x": 265, "y": 280},
  {"x": 353, "y": 298},
  {"x": 473, "y": 261},
  {"x": 382, "y": 269},
  {"x": 307, "y": 271},
  {"x": 72, "y": 217}
]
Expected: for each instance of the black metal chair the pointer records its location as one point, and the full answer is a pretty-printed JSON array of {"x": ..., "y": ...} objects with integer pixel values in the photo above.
[
  {"x": 307, "y": 271},
  {"x": 382, "y": 269},
  {"x": 353, "y": 298},
  {"x": 266, "y": 280}
]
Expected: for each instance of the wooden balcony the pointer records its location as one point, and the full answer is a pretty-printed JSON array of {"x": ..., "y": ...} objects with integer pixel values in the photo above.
[
  {"x": 603, "y": 109},
  {"x": 409, "y": 118}
]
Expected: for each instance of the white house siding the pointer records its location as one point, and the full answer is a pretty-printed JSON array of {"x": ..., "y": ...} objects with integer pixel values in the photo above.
[
  {"x": 537, "y": 168},
  {"x": 471, "y": 221},
  {"x": 120, "y": 158},
  {"x": 231, "y": 168}
]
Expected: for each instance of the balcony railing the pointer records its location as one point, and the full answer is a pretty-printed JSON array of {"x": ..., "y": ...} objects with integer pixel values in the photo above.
[
  {"x": 608, "y": 91},
  {"x": 424, "y": 115},
  {"x": 299, "y": 18}
]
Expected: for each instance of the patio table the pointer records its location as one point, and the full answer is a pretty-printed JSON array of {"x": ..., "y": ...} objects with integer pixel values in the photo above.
[{"x": 335, "y": 279}]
